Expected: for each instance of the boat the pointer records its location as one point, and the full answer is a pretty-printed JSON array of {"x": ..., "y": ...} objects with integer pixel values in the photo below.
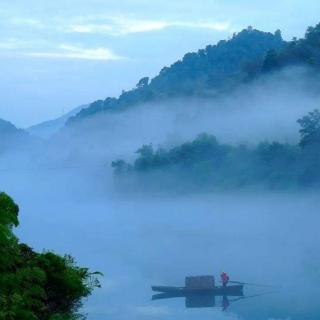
[{"x": 234, "y": 290}]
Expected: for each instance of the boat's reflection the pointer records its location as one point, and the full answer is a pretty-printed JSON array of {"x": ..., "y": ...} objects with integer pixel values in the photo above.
[{"x": 206, "y": 300}]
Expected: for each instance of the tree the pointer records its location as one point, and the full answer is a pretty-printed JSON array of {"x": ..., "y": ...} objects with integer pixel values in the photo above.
[
  {"x": 120, "y": 166},
  {"x": 146, "y": 157},
  {"x": 37, "y": 286},
  {"x": 146, "y": 151},
  {"x": 278, "y": 34},
  {"x": 310, "y": 129},
  {"x": 144, "y": 82},
  {"x": 8, "y": 211},
  {"x": 271, "y": 61},
  {"x": 313, "y": 36}
]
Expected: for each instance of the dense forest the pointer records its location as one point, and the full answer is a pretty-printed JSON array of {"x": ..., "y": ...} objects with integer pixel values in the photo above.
[
  {"x": 218, "y": 69},
  {"x": 37, "y": 286},
  {"x": 210, "y": 70},
  {"x": 207, "y": 164}
]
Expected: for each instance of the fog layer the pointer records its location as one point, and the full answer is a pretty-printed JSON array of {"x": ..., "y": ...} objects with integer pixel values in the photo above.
[{"x": 65, "y": 190}]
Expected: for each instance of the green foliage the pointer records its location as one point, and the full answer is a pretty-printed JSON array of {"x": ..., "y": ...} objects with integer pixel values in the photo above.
[
  {"x": 33, "y": 285},
  {"x": 310, "y": 129},
  {"x": 271, "y": 62},
  {"x": 304, "y": 51},
  {"x": 120, "y": 166},
  {"x": 143, "y": 83},
  {"x": 206, "y": 72},
  {"x": 206, "y": 164},
  {"x": 217, "y": 68}
]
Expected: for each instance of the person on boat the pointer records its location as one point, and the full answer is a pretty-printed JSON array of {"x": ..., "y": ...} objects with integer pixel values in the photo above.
[{"x": 224, "y": 279}]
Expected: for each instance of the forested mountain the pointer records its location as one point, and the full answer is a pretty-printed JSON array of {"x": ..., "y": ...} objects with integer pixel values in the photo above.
[
  {"x": 207, "y": 72},
  {"x": 218, "y": 68}
]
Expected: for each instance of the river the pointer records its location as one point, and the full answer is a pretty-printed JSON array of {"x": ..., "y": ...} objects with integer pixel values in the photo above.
[{"x": 143, "y": 240}]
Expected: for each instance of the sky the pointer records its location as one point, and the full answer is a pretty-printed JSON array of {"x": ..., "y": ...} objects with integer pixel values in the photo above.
[{"x": 57, "y": 55}]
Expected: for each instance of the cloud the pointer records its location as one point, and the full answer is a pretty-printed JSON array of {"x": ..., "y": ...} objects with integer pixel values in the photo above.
[
  {"x": 10, "y": 44},
  {"x": 73, "y": 52},
  {"x": 30, "y": 22},
  {"x": 115, "y": 25},
  {"x": 91, "y": 28},
  {"x": 123, "y": 25},
  {"x": 217, "y": 26}
]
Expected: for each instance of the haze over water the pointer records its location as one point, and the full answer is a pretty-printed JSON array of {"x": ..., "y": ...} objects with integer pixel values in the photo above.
[{"x": 265, "y": 238}]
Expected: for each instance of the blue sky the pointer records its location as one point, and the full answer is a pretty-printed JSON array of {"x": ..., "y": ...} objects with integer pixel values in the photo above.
[{"x": 56, "y": 55}]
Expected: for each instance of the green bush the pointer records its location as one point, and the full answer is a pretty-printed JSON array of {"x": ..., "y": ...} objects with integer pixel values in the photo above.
[{"x": 37, "y": 286}]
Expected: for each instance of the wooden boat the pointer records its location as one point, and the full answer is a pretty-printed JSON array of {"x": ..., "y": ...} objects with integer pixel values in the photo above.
[{"x": 236, "y": 290}]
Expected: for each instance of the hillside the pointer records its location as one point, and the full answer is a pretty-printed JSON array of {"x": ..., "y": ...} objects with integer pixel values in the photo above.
[
  {"x": 205, "y": 73},
  {"x": 12, "y": 136},
  {"x": 48, "y": 128},
  {"x": 218, "y": 68},
  {"x": 7, "y": 128}
]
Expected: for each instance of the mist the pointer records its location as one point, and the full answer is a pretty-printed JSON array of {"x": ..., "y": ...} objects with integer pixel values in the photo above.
[
  {"x": 263, "y": 110},
  {"x": 65, "y": 188}
]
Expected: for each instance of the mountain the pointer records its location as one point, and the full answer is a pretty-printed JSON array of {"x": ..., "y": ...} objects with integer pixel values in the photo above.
[
  {"x": 217, "y": 69},
  {"x": 209, "y": 71},
  {"x": 48, "y": 128},
  {"x": 8, "y": 129},
  {"x": 11, "y": 137}
]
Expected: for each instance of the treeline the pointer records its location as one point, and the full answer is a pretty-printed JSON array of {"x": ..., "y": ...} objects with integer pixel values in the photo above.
[
  {"x": 37, "y": 286},
  {"x": 213, "y": 69},
  {"x": 207, "y": 164},
  {"x": 303, "y": 51},
  {"x": 218, "y": 68}
]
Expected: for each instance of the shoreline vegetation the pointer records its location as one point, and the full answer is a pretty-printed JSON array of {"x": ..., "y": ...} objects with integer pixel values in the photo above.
[
  {"x": 205, "y": 164},
  {"x": 38, "y": 286}
]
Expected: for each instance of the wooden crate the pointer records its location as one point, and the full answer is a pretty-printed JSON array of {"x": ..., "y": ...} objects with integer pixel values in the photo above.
[{"x": 199, "y": 282}]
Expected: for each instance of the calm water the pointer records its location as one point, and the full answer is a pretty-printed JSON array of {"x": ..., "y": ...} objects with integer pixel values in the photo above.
[{"x": 139, "y": 241}]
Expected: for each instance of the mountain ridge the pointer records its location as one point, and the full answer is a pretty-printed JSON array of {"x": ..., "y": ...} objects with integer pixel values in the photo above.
[
  {"x": 12, "y": 136},
  {"x": 48, "y": 128},
  {"x": 215, "y": 68}
]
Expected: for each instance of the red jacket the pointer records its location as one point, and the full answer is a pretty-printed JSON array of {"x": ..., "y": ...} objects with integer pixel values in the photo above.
[{"x": 224, "y": 277}]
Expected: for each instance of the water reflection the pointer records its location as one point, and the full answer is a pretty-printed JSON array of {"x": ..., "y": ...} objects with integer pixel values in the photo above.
[{"x": 207, "y": 299}]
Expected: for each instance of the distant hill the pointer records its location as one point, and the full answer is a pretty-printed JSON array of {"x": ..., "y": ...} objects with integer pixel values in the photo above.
[
  {"x": 11, "y": 137},
  {"x": 46, "y": 129},
  {"x": 204, "y": 73},
  {"x": 7, "y": 128}
]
